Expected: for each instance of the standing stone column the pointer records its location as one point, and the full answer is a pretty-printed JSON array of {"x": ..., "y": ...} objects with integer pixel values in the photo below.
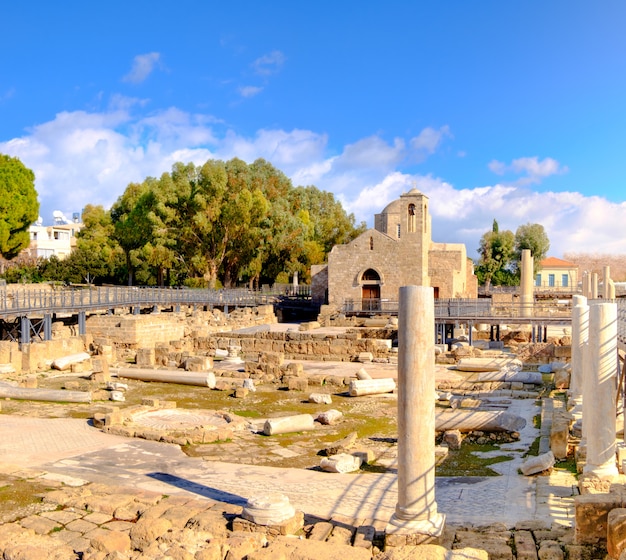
[
  {"x": 526, "y": 283},
  {"x": 594, "y": 285},
  {"x": 580, "y": 334},
  {"x": 606, "y": 280},
  {"x": 416, "y": 519},
  {"x": 602, "y": 391}
]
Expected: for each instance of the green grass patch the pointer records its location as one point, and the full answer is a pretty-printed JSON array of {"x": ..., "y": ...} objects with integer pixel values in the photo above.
[
  {"x": 534, "y": 447},
  {"x": 568, "y": 465},
  {"x": 467, "y": 462}
]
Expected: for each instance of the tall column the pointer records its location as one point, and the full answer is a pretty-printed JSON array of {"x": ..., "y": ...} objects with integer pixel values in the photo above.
[
  {"x": 594, "y": 285},
  {"x": 602, "y": 391},
  {"x": 606, "y": 280},
  {"x": 526, "y": 283},
  {"x": 416, "y": 519},
  {"x": 580, "y": 334}
]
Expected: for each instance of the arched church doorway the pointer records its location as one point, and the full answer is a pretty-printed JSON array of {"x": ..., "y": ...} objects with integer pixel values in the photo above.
[{"x": 370, "y": 290}]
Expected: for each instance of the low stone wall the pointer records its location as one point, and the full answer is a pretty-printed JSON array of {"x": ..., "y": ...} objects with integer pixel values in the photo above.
[
  {"x": 38, "y": 356},
  {"x": 309, "y": 345}
]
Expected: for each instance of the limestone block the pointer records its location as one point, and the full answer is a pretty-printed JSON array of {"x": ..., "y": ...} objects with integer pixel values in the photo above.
[
  {"x": 249, "y": 385},
  {"x": 7, "y": 369},
  {"x": 453, "y": 438},
  {"x": 365, "y": 357},
  {"x": 294, "y": 369},
  {"x": 533, "y": 465},
  {"x": 329, "y": 417},
  {"x": 525, "y": 546},
  {"x": 287, "y": 424},
  {"x": 199, "y": 363},
  {"x": 591, "y": 516},
  {"x": 297, "y": 383},
  {"x": 272, "y": 358},
  {"x": 341, "y": 463},
  {"x": 362, "y": 374},
  {"x": 66, "y": 362},
  {"x": 616, "y": 532},
  {"x": 320, "y": 398},
  {"x": 563, "y": 351},
  {"x": 562, "y": 378},
  {"x": 360, "y": 387},
  {"x": 288, "y": 547},
  {"x": 465, "y": 402},
  {"x": 550, "y": 550},
  {"x": 145, "y": 357},
  {"x": 559, "y": 437},
  {"x": 241, "y": 393}
]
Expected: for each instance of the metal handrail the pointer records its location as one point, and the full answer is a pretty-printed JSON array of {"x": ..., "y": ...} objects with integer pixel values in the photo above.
[{"x": 28, "y": 301}]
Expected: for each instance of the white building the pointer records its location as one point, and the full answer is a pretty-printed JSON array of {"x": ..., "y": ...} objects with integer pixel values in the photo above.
[{"x": 58, "y": 239}]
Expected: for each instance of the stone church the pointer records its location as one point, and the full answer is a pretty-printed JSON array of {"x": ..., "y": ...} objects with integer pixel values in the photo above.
[{"x": 368, "y": 272}]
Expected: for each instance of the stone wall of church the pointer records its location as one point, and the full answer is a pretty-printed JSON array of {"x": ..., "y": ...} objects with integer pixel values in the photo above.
[
  {"x": 448, "y": 267},
  {"x": 346, "y": 264}
]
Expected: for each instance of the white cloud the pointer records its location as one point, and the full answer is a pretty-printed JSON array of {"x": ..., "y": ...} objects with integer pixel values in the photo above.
[
  {"x": 428, "y": 140},
  {"x": 269, "y": 63},
  {"x": 143, "y": 65},
  {"x": 249, "y": 91},
  {"x": 535, "y": 170},
  {"x": 6, "y": 95},
  {"x": 80, "y": 158}
]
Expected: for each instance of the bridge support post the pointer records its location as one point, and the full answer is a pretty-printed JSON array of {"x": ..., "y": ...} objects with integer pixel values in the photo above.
[
  {"x": 24, "y": 330},
  {"x": 47, "y": 326},
  {"x": 82, "y": 323}
]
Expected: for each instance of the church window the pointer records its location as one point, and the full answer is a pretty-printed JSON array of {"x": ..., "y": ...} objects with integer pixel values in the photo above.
[
  {"x": 371, "y": 275},
  {"x": 411, "y": 227},
  {"x": 398, "y": 230},
  {"x": 371, "y": 243}
]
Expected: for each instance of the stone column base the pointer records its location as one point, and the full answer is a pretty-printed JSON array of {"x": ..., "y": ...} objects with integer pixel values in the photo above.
[{"x": 400, "y": 532}]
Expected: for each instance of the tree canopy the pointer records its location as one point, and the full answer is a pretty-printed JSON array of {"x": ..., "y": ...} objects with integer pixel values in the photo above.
[
  {"x": 222, "y": 223},
  {"x": 533, "y": 237},
  {"x": 19, "y": 207},
  {"x": 501, "y": 252}
]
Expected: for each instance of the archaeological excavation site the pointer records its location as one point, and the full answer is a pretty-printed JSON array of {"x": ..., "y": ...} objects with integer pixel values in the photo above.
[{"x": 138, "y": 427}]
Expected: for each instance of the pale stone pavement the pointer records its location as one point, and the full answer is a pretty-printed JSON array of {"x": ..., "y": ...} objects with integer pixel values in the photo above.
[{"x": 71, "y": 450}]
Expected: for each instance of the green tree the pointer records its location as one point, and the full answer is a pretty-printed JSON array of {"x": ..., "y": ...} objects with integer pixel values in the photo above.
[
  {"x": 533, "y": 237},
  {"x": 496, "y": 251},
  {"x": 132, "y": 226},
  {"x": 19, "y": 207},
  {"x": 97, "y": 252}
]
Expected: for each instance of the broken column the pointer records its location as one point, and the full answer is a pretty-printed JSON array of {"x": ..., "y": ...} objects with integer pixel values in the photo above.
[
  {"x": 580, "y": 334},
  {"x": 287, "y": 424},
  {"x": 416, "y": 519},
  {"x": 361, "y": 387},
  {"x": 526, "y": 283},
  {"x": 601, "y": 391}
]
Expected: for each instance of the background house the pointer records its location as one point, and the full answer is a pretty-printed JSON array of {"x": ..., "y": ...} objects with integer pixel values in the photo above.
[{"x": 557, "y": 274}]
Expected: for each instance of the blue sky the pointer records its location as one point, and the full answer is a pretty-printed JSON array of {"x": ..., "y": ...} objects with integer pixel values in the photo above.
[{"x": 513, "y": 111}]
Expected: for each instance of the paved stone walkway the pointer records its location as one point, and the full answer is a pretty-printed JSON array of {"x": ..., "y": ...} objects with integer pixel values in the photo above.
[{"x": 71, "y": 449}]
